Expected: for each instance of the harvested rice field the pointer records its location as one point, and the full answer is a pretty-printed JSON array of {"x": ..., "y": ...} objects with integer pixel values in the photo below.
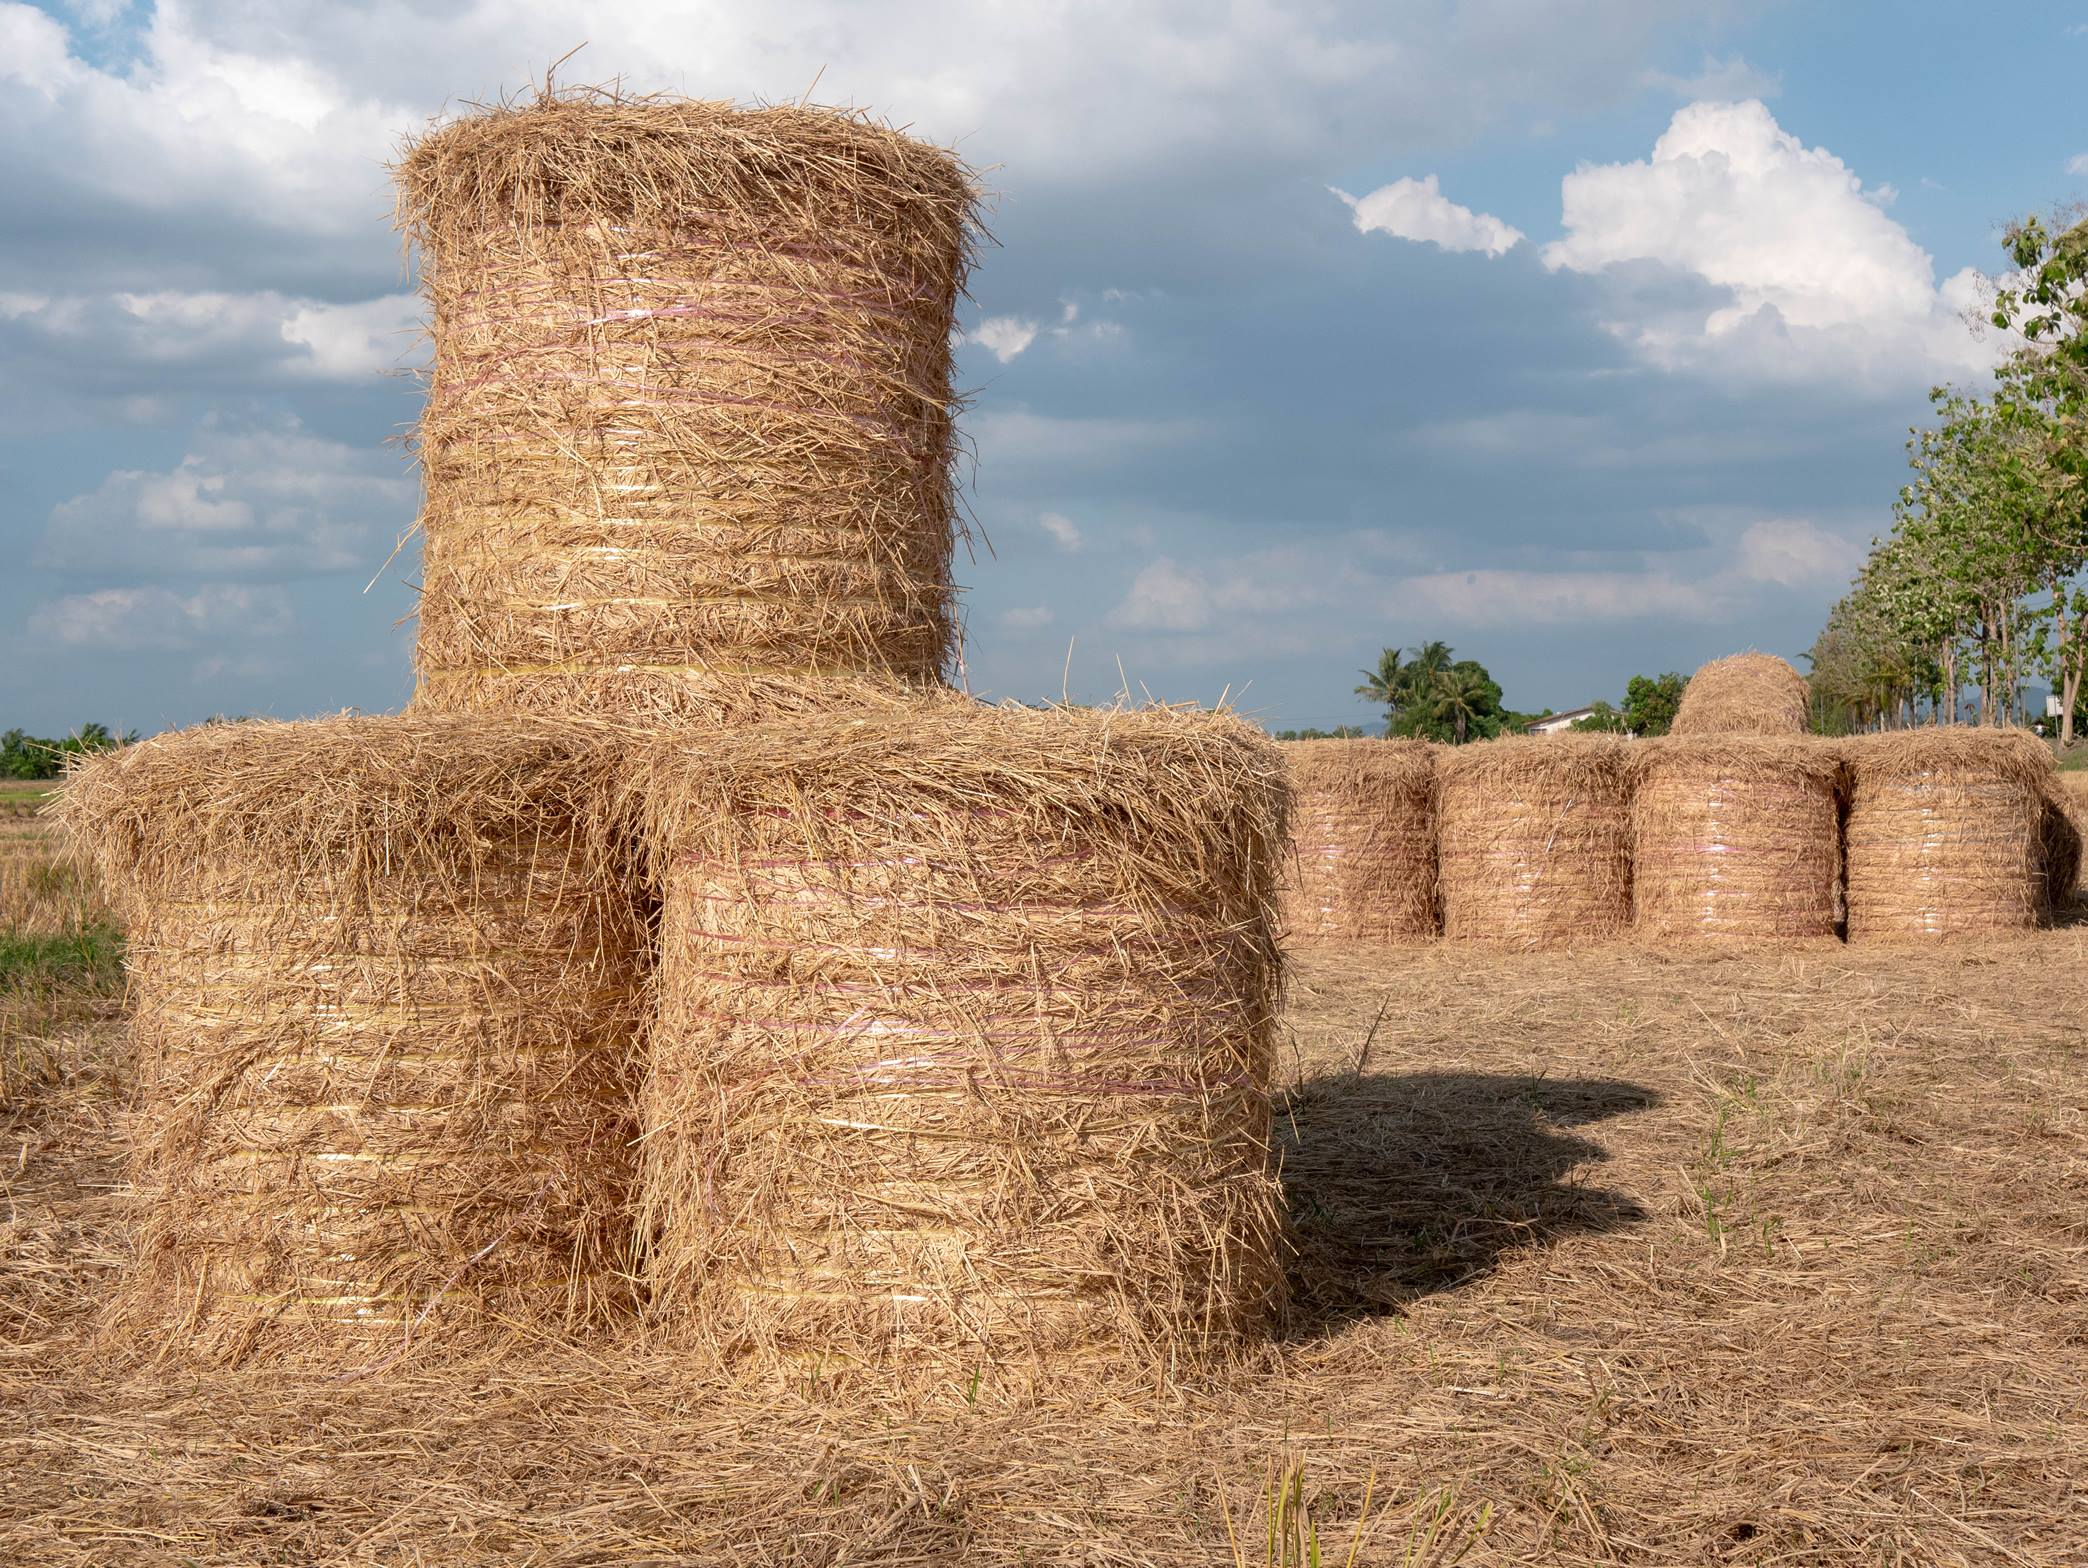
[{"x": 1608, "y": 1256}]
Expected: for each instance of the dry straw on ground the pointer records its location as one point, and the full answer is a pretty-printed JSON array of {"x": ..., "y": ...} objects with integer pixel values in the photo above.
[
  {"x": 1363, "y": 855},
  {"x": 1746, "y": 694},
  {"x": 689, "y": 419},
  {"x": 1736, "y": 839},
  {"x": 1534, "y": 839},
  {"x": 385, "y": 976},
  {"x": 1946, "y": 833},
  {"x": 964, "y": 1028}
]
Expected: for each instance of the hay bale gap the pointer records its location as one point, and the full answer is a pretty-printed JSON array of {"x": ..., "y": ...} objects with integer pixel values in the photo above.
[
  {"x": 1363, "y": 861},
  {"x": 1534, "y": 839},
  {"x": 690, "y": 417},
  {"x": 962, "y": 1044},
  {"x": 1736, "y": 838},
  {"x": 1745, "y": 694},
  {"x": 1947, "y": 833},
  {"x": 385, "y": 976}
]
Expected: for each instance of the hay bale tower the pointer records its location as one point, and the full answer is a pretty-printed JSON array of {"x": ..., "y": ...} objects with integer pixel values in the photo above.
[
  {"x": 1362, "y": 866},
  {"x": 964, "y": 1031},
  {"x": 385, "y": 977},
  {"x": 689, "y": 418},
  {"x": 1534, "y": 839},
  {"x": 1946, "y": 833},
  {"x": 1736, "y": 839},
  {"x": 1746, "y": 694}
]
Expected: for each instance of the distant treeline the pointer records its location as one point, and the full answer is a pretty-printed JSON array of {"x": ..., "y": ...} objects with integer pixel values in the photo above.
[{"x": 26, "y": 756}]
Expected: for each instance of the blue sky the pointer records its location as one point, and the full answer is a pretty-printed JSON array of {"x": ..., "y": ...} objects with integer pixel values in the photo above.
[{"x": 1603, "y": 364}]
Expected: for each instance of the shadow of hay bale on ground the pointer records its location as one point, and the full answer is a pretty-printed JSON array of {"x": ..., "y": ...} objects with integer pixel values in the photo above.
[{"x": 1404, "y": 1184}]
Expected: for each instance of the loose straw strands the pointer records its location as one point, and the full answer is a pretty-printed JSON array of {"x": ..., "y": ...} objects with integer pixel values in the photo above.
[
  {"x": 1363, "y": 861},
  {"x": 963, "y": 1041},
  {"x": 1746, "y": 694},
  {"x": 689, "y": 417},
  {"x": 385, "y": 976},
  {"x": 1534, "y": 839},
  {"x": 1946, "y": 833},
  {"x": 1736, "y": 839}
]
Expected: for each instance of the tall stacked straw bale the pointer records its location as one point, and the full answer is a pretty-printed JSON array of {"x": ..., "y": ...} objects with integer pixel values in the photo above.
[
  {"x": 1363, "y": 861},
  {"x": 1946, "y": 833},
  {"x": 688, "y": 434},
  {"x": 963, "y": 1039},
  {"x": 1736, "y": 839},
  {"x": 385, "y": 976},
  {"x": 1746, "y": 694},
  {"x": 1534, "y": 839}
]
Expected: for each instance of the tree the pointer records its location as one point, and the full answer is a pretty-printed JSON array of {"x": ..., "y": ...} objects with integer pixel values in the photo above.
[
  {"x": 1466, "y": 696},
  {"x": 1384, "y": 684},
  {"x": 25, "y": 756},
  {"x": 1601, "y": 718},
  {"x": 1652, "y": 701}
]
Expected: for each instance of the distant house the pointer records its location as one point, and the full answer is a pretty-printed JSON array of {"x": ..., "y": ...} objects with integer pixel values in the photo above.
[{"x": 1556, "y": 723}]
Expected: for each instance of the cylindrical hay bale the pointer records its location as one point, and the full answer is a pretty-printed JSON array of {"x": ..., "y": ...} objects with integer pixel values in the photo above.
[
  {"x": 1736, "y": 839},
  {"x": 2065, "y": 829},
  {"x": 386, "y": 977},
  {"x": 1534, "y": 839},
  {"x": 964, "y": 1032},
  {"x": 1946, "y": 833},
  {"x": 1362, "y": 866},
  {"x": 1747, "y": 694},
  {"x": 689, "y": 416}
]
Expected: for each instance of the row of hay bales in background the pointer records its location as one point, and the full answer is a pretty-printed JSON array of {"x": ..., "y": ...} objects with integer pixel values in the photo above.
[
  {"x": 687, "y": 950},
  {"x": 1543, "y": 841}
]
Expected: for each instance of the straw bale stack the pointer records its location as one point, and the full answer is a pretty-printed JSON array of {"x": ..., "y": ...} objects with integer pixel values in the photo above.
[
  {"x": 1363, "y": 838},
  {"x": 1736, "y": 839},
  {"x": 1746, "y": 694},
  {"x": 689, "y": 417},
  {"x": 1534, "y": 839},
  {"x": 962, "y": 1043},
  {"x": 1946, "y": 833},
  {"x": 386, "y": 976}
]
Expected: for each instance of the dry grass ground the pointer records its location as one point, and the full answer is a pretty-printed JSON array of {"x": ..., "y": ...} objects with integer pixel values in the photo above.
[{"x": 1605, "y": 1257}]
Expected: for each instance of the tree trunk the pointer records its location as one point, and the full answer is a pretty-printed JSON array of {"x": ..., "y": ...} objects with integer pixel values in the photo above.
[{"x": 1950, "y": 680}]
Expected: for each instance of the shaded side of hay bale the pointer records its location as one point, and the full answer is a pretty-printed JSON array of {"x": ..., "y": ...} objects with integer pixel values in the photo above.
[
  {"x": 1736, "y": 839},
  {"x": 1946, "y": 833},
  {"x": 1363, "y": 841},
  {"x": 1534, "y": 839},
  {"x": 385, "y": 976},
  {"x": 962, "y": 1044},
  {"x": 2065, "y": 830},
  {"x": 690, "y": 413},
  {"x": 1745, "y": 694}
]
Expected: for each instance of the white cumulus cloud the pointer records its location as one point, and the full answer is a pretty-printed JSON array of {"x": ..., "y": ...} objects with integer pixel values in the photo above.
[
  {"x": 1418, "y": 210},
  {"x": 1004, "y": 336},
  {"x": 1065, "y": 533},
  {"x": 1794, "y": 552},
  {"x": 1026, "y": 619},
  {"x": 155, "y": 619}
]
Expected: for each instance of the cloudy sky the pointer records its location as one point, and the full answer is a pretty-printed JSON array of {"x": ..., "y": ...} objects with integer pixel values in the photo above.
[{"x": 1582, "y": 334}]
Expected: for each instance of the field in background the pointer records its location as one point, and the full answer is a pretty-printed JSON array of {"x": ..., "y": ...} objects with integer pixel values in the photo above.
[{"x": 1612, "y": 1257}]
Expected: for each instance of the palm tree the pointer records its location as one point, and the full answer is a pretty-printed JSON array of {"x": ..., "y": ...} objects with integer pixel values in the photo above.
[
  {"x": 1385, "y": 684},
  {"x": 1459, "y": 695},
  {"x": 1429, "y": 663}
]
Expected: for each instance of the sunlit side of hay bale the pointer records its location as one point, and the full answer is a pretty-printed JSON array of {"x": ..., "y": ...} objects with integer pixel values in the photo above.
[
  {"x": 1363, "y": 841},
  {"x": 690, "y": 414},
  {"x": 1534, "y": 839},
  {"x": 1947, "y": 833},
  {"x": 1746, "y": 694},
  {"x": 964, "y": 1033},
  {"x": 1736, "y": 839},
  {"x": 386, "y": 976}
]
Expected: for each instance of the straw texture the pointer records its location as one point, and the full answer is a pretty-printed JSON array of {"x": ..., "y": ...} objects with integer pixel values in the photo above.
[
  {"x": 1363, "y": 861},
  {"x": 2065, "y": 824},
  {"x": 689, "y": 417},
  {"x": 1736, "y": 839},
  {"x": 1534, "y": 839},
  {"x": 1946, "y": 833},
  {"x": 1746, "y": 694},
  {"x": 961, "y": 1057},
  {"x": 385, "y": 976}
]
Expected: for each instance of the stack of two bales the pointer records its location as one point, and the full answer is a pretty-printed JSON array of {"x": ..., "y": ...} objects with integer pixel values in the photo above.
[{"x": 687, "y": 453}]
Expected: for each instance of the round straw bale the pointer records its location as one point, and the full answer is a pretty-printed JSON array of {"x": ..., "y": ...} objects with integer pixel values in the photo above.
[
  {"x": 962, "y": 1043},
  {"x": 690, "y": 413},
  {"x": 386, "y": 975},
  {"x": 1746, "y": 694},
  {"x": 1736, "y": 838},
  {"x": 1363, "y": 830},
  {"x": 1946, "y": 832},
  {"x": 1534, "y": 839},
  {"x": 2065, "y": 828}
]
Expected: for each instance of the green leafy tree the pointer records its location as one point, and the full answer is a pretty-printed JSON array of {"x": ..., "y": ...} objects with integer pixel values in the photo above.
[
  {"x": 25, "y": 756},
  {"x": 1384, "y": 684},
  {"x": 1652, "y": 701}
]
